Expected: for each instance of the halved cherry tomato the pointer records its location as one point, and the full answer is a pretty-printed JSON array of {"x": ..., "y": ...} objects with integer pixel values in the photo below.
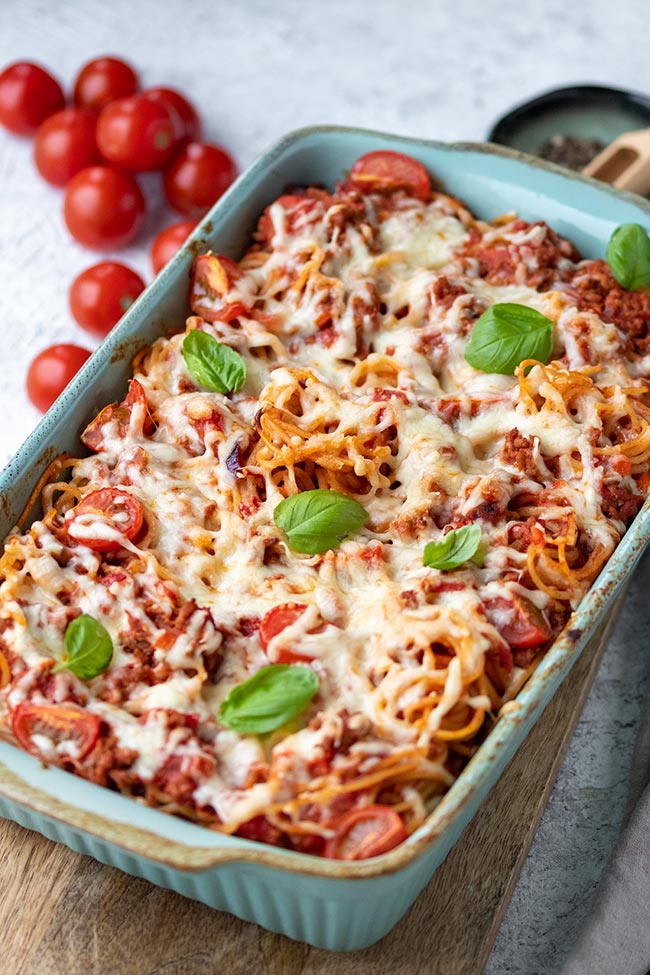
[
  {"x": 118, "y": 415},
  {"x": 51, "y": 371},
  {"x": 102, "y": 81},
  {"x": 214, "y": 274},
  {"x": 103, "y": 207},
  {"x": 137, "y": 133},
  {"x": 295, "y": 208},
  {"x": 384, "y": 171},
  {"x": 101, "y": 294},
  {"x": 168, "y": 242},
  {"x": 58, "y": 722},
  {"x": 117, "y": 507},
  {"x": 521, "y": 624},
  {"x": 183, "y": 112},
  {"x": 366, "y": 831},
  {"x": 212, "y": 277},
  {"x": 65, "y": 144},
  {"x": 28, "y": 95},
  {"x": 197, "y": 177},
  {"x": 274, "y": 622}
]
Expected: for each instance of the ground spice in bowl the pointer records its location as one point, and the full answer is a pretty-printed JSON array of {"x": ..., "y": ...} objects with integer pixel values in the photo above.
[{"x": 572, "y": 151}]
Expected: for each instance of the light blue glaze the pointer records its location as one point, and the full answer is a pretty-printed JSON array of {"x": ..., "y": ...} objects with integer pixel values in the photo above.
[{"x": 320, "y": 907}]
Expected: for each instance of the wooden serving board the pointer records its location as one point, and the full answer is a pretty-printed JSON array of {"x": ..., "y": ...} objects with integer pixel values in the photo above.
[{"x": 66, "y": 914}]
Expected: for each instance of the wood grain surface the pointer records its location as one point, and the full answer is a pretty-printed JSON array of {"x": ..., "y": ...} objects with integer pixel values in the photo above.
[{"x": 66, "y": 914}]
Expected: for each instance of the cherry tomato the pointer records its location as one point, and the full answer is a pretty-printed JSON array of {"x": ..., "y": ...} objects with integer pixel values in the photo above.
[
  {"x": 136, "y": 133},
  {"x": 103, "y": 207},
  {"x": 197, "y": 177},
  {"x": 51, "y": 371},
  {"x": 384, "y": 171},
  {"x": 168, "y": 242},
  {"x": 111, "y": 505},
  {"x": 65, "y": 144},
  {"x": 295, "y": 208},
  {"x": 58, "y": 722},
  {"x": 101, "y": 294},
  {"x": 212, "y": 277},
  {"x": 102, "y": 81},
  {"x": 521, "y": 624},
  {"x": 28, "y": 95},
  {"x": 185, "y": 116},
  {"x": 275, "y": 621},
  {"x": 365, "y": 832},
  {"x": 118, "y": 417}
]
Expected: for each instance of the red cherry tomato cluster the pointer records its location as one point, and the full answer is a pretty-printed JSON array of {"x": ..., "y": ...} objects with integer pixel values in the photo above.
[{"x": 93, "y": 149}]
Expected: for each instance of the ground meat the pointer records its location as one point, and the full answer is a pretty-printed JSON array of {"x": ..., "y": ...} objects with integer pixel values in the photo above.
[
  {"x": 620, "y": 503},
  {"x": 444, "y": 293},
  {"x": 248, "y": 625},
  {"x": 519, "y": 535},
  {"x": 381, "y": 395},
  {"x": 524, "y": 658},
  {"x": 432, "y": 344},
  {"x": 117, "y": 684},
  {"x": 181, "y": 774},
  {"x": 537, "y": 264},
  {"x": 260, "y": 829},
  {"x": 518, "y": 452},
  {"x": 595, "y": 289},
  {"x": 106, "y": 759}
]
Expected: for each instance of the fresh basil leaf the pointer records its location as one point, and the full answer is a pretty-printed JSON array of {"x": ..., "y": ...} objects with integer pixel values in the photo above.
[
  {"x": 455, "y": 548},
  {"x": 317, "y": 521},
  {"x": 628, "y": 253},
  {"x": 214, "y": 365},
  {"x": 273, "y": 696},
  {"x": 505, "y": 335},
  {"x": 89, "y": 648}
]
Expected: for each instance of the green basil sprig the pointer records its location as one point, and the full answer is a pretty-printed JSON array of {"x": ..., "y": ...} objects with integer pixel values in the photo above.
[
  {"x": 273, "y": 696},
  {"x": 214, "y": 365},
  {"x": 88, "y": 646},
  {"x": 454, "y": 549},
  {"x": 628, "y": 253},
  {"x": 317, "y": 521},
  {"x": 505, "y": 335}
]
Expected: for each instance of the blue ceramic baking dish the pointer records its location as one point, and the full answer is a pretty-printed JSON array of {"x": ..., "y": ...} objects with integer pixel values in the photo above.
[{"x": 330, "y": 904}]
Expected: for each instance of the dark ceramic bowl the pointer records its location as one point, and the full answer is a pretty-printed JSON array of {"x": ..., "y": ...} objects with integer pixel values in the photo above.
[{"x": 585, "y": 111}]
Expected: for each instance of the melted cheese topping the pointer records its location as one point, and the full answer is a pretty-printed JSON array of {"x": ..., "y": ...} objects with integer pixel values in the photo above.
[{"x": 352, "y": 315}]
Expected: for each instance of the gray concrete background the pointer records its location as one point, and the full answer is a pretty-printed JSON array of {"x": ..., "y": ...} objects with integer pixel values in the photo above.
[{"x": 431, "y": 68}]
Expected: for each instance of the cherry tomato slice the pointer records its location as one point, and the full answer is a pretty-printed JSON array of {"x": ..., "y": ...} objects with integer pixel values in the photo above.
[
  {"x": 57, "y": 722},
  {"x": 65, "y": 144},
  {"x": 384, "y": 171},
  {"x": 51, "y": 371},
  {"x": 101, "y": 294},
  {"x": 168, "y": 242},
  {"x": 103, "y": 207},
  {"x": 185, "y": 116},
  {"x": 366, "y": 831},
  {"x": 28, "y": 95},
  {"x": 274, "y": 622},
  {"x": 197, "y": 177},
  {"x": 521, "y": 624},
  {"x": 295, "y": 208},
  {"x": 118, "y": 416},
  {"x": 136, "y": 133},
  {"x": 119, "y": 508},
  {"x": 103, "y": 80}
]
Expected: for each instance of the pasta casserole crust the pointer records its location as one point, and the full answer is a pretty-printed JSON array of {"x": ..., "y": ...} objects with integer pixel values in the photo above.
[{"x": 352, "y": 312}]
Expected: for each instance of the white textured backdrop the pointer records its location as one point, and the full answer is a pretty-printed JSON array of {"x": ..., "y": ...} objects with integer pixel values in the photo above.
[{"x": 435, "y": 68}]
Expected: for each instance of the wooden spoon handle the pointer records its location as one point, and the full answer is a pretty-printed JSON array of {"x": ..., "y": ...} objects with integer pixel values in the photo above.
[{"x": 625, "y": 163}]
